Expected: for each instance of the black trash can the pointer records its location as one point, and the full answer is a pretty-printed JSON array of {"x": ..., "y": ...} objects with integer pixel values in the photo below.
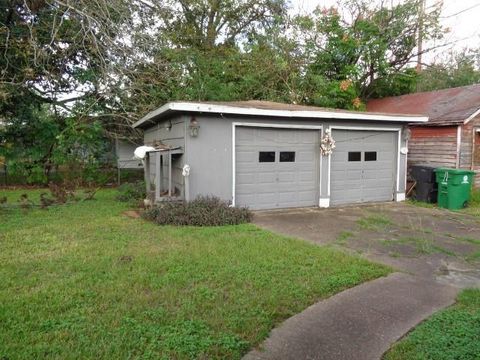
[{"x": 426, "y": 189}]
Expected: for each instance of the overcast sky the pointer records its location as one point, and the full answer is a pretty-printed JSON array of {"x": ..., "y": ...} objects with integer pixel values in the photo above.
[{"x": 462, "y": 17}]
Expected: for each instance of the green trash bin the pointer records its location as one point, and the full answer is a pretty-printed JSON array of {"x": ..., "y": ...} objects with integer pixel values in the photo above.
[{"x": 454, "y": 187}]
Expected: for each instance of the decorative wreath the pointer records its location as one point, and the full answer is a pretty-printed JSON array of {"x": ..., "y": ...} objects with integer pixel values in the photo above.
[{"x": 327, "y": 144}]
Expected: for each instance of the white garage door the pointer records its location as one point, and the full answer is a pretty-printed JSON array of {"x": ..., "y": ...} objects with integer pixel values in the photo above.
[
  {"x": 363, "y": 166},
  {"x": 276, "y": 168}
]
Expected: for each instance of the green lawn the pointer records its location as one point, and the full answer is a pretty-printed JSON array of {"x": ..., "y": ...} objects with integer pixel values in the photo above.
[
  {"x": 453, "y": 333},
  {"x": 84, "y": 281}
]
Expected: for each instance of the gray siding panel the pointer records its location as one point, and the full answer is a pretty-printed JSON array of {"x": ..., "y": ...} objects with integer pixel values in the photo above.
[
  {"x": 210, "y": 158},
  {"x": 124, "y": 153}
]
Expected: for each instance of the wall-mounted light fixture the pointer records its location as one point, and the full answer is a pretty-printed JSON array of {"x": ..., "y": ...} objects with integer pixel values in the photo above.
[
  {"x": 194, "y": 127},
  {"x": 168, "y": 125}
]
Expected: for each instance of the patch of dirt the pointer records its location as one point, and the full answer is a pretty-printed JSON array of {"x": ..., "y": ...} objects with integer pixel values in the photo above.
[
  {"x": 125, "y": 258},
  {"x": 134, "y": 214}
]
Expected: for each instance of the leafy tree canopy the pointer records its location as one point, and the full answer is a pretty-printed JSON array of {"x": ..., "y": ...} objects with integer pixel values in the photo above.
[
  {"x": 458, "y": 69},
  {"x": 71, "y": 64}
]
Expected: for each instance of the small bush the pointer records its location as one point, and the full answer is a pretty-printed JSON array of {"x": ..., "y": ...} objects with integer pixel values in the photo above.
[
  {"x": 131, "y": 191},
  {"x": 203, "y": 211}
]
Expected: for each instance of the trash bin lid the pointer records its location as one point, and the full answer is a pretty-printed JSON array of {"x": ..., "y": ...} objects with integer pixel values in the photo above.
[{"x": 455, "y": 171}]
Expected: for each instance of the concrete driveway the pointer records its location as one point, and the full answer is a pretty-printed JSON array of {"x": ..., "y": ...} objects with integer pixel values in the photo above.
[
  {"x": 432, "y": 243},
  {"x": 436, "y": 253}
]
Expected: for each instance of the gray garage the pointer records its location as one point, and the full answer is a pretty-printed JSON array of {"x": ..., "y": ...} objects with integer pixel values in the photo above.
[{"x": 267, "y": 155}]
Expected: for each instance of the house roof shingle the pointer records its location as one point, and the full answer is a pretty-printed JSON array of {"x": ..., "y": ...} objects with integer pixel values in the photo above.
[{"x": 443, "y": 107}]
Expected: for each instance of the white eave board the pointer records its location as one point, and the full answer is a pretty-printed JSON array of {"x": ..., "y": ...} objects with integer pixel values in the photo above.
[{"x": 252, "y": 111}]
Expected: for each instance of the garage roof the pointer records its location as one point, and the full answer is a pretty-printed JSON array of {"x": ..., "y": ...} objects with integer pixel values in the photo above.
[
  {"x": 443, "y": 107},
  {"x": 268, "y": 108}
]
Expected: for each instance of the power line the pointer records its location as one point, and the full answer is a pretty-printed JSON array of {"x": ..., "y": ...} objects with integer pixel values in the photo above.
[{"x": 460, "y": 12}]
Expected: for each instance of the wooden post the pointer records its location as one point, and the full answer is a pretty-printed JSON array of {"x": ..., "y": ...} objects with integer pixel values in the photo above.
[
  {"x": 187, "y": 188},
  {"x": 158, "y": 176},
  {"x": 147, "y": 172},
  {"x": 169, "y": 173},
  {"x": 421, "y": 13}
]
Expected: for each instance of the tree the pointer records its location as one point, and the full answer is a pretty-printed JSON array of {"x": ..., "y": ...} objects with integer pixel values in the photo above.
[
  {"x": 34, "y": 142},
  {"x": 213, "y": 50},
  {"x": 208, "y": 23},
  {"x": 458, "y": 69},
  {"x": 366, "y": 52},
  {"x": 58, "y": 60}
]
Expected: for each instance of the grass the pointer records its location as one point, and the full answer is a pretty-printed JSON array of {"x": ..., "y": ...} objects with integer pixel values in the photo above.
[
  {"x": 474, "y": 206},
  {"x": 422, "y": 245},
  {"x": 472, "y": 209},
  {"x": 450, "y": 334},
  {"x": 468, "y": 240},
  {"x": 343, "y": 237},
  {"x": 421, "y": 204},
  {"x": 474, "y": 257},
  {"x": 84, "y": 281},
  {"x": 374, "y": 222}
]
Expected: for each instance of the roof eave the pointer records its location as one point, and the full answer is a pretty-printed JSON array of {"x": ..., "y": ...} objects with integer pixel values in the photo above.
[
  {"x": 153, "y": 114},
  {"x": 473, "y": 116},
  {"x": 320, "y": 114}
]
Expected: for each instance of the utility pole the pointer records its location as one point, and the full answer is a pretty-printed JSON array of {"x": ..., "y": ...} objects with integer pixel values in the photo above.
[{"x": 421, "y": 13}]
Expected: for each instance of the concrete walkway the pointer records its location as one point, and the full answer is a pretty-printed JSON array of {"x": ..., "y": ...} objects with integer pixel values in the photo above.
[
  {"x": 430, "y": 247},
  {"x": 359, "y": 323}
]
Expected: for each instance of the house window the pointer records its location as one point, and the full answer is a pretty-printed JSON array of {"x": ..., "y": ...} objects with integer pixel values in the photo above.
[
  {"x": 266, "y": 156},
  {"x": 287, "y": 156},
  {"x": 354, "y": 156},
  {"x": 370, "y": 156}
]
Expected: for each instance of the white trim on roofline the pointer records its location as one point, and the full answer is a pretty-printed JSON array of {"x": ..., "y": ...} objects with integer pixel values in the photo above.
[
  {"x": 240, "y": 110},
  {"x": 471, "y": 117}
]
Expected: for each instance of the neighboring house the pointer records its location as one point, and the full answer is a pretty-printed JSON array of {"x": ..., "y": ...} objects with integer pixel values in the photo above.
[
  {"x": 451, "y": 137},
  {"x": 267, "y": 155},
  {"x": 124, "y": 154}
]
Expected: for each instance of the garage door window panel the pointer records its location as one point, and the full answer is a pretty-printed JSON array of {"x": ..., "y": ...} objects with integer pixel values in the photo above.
[
  {"x": 354, "y": 156},
  {"x": 370, "y": 156},
  {"x": 266, "y": 156},
  {"x": 287, "y": 156}
]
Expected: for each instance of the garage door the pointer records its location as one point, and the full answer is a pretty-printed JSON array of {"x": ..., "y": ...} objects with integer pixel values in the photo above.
[
  {"x": 276, "y": 168},
  {"x": 363, "y": 167}
]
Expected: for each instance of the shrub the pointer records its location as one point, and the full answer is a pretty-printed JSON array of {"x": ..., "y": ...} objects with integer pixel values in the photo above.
[
  {"x": 131, "y": 191},
  {"x": 203, "y": 211},
  {"x": 475, "y": 198}
]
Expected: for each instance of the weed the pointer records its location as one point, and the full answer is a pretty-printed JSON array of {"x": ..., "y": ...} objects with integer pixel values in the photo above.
[
  {"x": 474, "y": 257},
  {"x": 420, "y": 204},
  {"x": 131, "y": 192},
  {"x": 374, "y": 222},
  {"x": 468, "y": 239},
  {"x": 344, "y": 236},
  {"x": 422, "y": 245}
]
